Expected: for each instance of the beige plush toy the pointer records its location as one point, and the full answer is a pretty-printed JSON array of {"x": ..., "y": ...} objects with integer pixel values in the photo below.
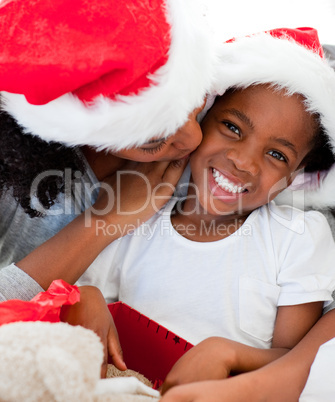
[{"x": 42, "y": 361}]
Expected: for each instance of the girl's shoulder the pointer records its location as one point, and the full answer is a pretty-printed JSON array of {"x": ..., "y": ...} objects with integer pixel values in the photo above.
[{"x": 286, "y": 217}]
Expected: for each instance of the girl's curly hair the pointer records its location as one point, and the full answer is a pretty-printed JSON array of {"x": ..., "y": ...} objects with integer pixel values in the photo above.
[
  {"x": 24, "y": 156},
  {"x": 321, "y": 157}
]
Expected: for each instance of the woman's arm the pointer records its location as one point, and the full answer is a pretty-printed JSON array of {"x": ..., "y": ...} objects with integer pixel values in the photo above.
[
  {"x": 281, "y": 380},
  {"x": 217, "y": 358},
  {"x": 68, "y": 254}
]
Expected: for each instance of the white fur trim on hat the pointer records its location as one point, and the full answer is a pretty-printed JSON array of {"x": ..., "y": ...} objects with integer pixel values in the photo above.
[
  {"x": 262, "y": 59},
  {"x": 179, "y": 87},
  {"x": 318, "y": 196}
]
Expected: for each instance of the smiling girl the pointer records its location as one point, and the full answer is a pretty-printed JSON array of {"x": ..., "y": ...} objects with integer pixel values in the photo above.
[
  {"x": 226, "y": 261},
  {"x": 222, "y": 261}
]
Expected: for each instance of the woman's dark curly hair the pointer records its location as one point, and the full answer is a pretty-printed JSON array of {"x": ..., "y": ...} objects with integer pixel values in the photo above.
[{"x": 24, "y": 156}]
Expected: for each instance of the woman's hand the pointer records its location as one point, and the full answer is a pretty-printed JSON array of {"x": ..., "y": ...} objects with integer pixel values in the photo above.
[
  {"x": 92, "y": 313},
  {"x": 136, "y": 192}
]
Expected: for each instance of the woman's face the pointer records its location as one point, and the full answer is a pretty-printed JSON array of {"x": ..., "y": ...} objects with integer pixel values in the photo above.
[{"x": 175, "y": 147}]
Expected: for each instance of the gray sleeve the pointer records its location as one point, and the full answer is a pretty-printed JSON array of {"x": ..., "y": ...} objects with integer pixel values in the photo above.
[{"x": 16, "y": 284}]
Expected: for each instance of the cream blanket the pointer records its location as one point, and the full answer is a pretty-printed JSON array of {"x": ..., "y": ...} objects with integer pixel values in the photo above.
[{"x": 125, "y": 386}]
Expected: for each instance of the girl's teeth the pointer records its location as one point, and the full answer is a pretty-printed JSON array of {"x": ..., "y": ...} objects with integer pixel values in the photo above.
[{"x": 226, "y": 185}]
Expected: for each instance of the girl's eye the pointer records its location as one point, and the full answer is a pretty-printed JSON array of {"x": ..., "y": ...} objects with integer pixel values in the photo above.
[
  {"x": 153, "y": 148},
  {"x": 278, "y": 155},
  {"x": 232, "y": 128}
]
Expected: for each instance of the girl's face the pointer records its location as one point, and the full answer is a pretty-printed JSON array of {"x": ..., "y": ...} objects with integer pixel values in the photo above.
[
  {"x": 175, "y": 147},
  {"x": 254, "y": 139}
]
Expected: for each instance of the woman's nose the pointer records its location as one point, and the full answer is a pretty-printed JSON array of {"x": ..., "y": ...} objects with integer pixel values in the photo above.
[
  {"x": 245, "y": 161},
  {"x": 189, "y": 139},
  {"x": 189, "y": 136}
]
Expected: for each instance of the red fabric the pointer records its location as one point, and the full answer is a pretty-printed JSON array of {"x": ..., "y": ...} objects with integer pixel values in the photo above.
[
  {"x": 89, "y": 47},
  {"x": 148, "y": 347},
  {"x": 45, "y": 306},
  {"x": 305, "y": 36}
]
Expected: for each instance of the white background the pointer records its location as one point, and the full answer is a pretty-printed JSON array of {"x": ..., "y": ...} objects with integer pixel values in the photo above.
[{"x": 239, "y": 17}]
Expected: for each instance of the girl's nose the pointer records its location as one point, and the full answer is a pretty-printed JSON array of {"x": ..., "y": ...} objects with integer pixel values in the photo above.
[{"x": 245, "y": 161}]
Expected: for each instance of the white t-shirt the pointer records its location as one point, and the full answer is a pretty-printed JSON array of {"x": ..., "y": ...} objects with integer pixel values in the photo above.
[{"x": 230, "y": 287}]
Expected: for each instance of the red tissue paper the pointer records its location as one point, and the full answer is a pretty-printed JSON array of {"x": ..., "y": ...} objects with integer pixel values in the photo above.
[{"x": 45, "y": 306}]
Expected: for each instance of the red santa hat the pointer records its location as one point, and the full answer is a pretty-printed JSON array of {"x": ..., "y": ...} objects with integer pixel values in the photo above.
[
  {"x": 291, "y": 59},
  {"x": 107, "y": 73}
]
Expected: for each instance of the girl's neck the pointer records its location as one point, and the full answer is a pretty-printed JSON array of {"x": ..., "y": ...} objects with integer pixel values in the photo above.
[{"x": 102, "y": 163}]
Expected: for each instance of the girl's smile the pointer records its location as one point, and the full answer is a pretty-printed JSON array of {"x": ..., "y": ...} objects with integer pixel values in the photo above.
[{"x": 225, "y": 187}]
